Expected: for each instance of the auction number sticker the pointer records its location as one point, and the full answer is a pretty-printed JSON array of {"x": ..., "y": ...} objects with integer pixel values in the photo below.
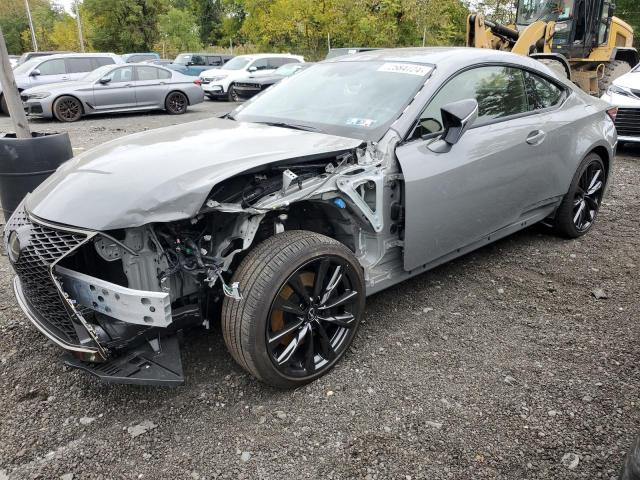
[{"x": 409, "y": 68}]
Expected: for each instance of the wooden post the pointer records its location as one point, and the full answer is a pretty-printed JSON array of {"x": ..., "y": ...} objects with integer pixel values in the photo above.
[{"x": 11, "y": 94}]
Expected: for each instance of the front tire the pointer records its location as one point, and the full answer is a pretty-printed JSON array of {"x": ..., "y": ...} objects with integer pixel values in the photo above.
[
  {"x": 579, "y": 208},
  {"x": 176, "y": 103},
  {"x": 303, "y": 298},
  {"x": 67, "y": 109},
  {"x": 232, "y": 95}
]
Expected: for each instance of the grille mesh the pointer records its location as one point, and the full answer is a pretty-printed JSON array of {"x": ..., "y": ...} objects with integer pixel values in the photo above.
[{"x": 40, "y": 247}]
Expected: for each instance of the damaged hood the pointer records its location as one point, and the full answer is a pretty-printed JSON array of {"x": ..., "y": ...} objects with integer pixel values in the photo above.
[{"x": 166, "y": 174}]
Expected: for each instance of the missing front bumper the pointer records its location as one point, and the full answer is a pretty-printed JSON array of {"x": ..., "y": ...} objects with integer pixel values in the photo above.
[{"x": 156, "y": 362}]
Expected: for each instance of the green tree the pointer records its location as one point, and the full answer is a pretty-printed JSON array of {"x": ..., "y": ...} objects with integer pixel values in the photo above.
[
  {"x": 124, "y": 25},
  {"x": 178, "y": 32},
  {"x": 629, "y": 11}
]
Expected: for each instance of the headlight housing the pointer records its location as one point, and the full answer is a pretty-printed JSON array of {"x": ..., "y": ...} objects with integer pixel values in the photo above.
[
  {"x": 39, "y": 95},
  {"x": 218, "y": 78},
  {"x": 618, "y": 90}
]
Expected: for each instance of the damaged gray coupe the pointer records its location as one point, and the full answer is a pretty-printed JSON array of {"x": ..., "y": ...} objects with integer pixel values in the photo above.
[{"x": 277, "y": 220}]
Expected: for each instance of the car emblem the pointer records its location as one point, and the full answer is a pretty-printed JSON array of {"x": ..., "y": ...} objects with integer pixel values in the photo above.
[{"x": 14, "y": 246}]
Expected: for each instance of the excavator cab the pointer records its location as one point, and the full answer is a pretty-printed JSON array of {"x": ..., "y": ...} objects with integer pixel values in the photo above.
[{"x": 581, "y": 39}]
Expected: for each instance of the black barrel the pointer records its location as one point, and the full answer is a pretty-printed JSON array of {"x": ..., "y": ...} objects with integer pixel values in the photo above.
[{"x": 26, "y": 162}]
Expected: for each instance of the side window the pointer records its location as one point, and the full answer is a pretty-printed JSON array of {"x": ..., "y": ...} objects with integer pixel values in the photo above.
[
  {"x": 260, "y": 64},
  {"x": 499, "y": 91},
  {"x": 214, "y": 61},
  {"x": 79, "y": 65},
  {"x": 274, "y": 63},
  {"x": 120, "y": 75},
  {"x": 197, "y": 60},
  {"x": 101, "y": 61},
  {"x": 541, "y": 92},
  {"x": 52, "y": 67},
  {"x": 163, "y": 74},
  {"x": 289, "y": 60},
  {"x": 147, "y": 73}
]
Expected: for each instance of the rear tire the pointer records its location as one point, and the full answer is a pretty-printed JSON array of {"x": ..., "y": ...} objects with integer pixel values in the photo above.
[
  {"x": 3, "y": 105},
  {"x": 612, "y": 70},
  {"x": 579, "y": 208},
  {"x": 176, "y": 103},
  {"x": 67, "y": 109},
  {"x": 285, "y": 338}
]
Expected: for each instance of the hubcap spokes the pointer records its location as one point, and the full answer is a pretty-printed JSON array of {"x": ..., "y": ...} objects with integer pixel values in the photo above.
[
  {"x": 312, "y": 317},
  {"x": 69, "y": 109},
  {"x": 588, "y": 195},
  {"x": 177, "y": 103}
]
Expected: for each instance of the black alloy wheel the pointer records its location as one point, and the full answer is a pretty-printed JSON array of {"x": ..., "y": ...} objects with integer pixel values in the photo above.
[
  {"x": 579, "y": 208},
  {"x": 313, "y": 316},
  {"x": 176, "y": 103},
  {"x": 588, "y": 195},
  {"x": 67, "y": 109},
  {"x": 233, "y": 95},
  {"x": 303, "y": 295}
]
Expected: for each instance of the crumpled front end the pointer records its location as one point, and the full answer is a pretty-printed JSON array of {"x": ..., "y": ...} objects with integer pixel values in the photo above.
[{"x": 108, "y": 329}]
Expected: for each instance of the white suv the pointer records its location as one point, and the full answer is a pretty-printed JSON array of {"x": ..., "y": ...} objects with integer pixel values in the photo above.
[{"x": 218, "y": 82}]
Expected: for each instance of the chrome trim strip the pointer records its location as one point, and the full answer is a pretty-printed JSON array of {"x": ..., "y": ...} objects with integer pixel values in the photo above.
[
  {"x": 17, "y": 289},
  {"x": 622, "y": 138}
]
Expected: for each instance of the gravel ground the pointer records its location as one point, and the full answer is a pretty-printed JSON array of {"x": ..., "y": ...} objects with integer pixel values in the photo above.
[{"x": 501, "y": 364}]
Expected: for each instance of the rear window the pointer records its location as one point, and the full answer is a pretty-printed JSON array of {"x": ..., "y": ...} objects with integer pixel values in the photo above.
[
  {"x": 541, "y": 92},
  {"x": 102, "y": 61},
  {"x": 79, "y": 65}
]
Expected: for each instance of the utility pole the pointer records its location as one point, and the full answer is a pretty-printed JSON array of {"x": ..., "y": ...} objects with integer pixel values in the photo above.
[
  {"x": 80, "y": 36},
  {"x": 33, "y": 32},
  {"x": 10, "y": 93},
  {"x": 424, "y": 36}
]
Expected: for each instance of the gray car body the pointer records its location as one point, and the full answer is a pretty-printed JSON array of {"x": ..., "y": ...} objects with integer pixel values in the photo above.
[
  {"x": 26, "y": 80},
  {"x": 135, "y": 95},
  {"x": 492, "y": 183},
  {"x": 399, "y": 206}
]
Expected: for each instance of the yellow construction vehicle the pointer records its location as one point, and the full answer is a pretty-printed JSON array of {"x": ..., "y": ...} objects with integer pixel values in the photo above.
[{"x": 578, "y": 38}]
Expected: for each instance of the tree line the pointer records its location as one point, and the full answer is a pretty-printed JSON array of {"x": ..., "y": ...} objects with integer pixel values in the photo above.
[{"x": 300, "y": 26}]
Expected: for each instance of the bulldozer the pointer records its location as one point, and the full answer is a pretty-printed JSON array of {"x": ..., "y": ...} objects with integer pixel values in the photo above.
[{"x": 580, "y": 39}]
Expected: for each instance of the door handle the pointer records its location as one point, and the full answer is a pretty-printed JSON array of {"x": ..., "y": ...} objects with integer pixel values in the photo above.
[{"x": 536, "y": 137}]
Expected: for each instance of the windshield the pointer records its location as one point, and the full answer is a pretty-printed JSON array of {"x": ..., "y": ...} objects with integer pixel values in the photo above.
[
  {"x": 97, "y": 74},
  {"x": 288, "y": 69},
  {"x": 25, "y": 67},
  {"x": 530, "y": 11},
  {"x": 237, "y": 63},
  {"x": 352, "y": 99}
]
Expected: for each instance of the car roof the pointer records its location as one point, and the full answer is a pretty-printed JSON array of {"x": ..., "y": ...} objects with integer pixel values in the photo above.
[
  {"x": 72, "y": 55},
  {"x": 438, "y": 56},
  {"x": 258, "y": 55}
]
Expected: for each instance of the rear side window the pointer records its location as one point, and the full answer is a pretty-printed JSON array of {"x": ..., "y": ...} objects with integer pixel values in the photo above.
[
  {"x": 102, "y": 61},
  {"x": 79, "y": 65},
  {"x": 541, "y": 92},
  {"x": 214, "y": 61},
  {"x": 147, "y": 73},
  {"x": 499, "y": 91},
  {"x": 197, "y": 60},
  {"x": 52, "y": 67},
  {"x": 163, "y": 74}
]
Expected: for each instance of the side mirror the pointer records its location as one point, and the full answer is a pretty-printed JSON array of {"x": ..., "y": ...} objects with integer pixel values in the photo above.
[
  {"x": 105, "y": 80},
  {"x": 457, "y": 117},
  {"x": 35, "y": 72},
  {"x": 189, "y": 64},
  {"x": 253, "y": 69}
]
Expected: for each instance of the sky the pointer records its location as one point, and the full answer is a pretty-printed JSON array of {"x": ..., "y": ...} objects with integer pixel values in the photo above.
[{"x": 67, "y": 4}]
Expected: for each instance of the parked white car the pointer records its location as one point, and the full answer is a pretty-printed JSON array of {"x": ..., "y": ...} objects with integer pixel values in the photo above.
[
  {"x": 624, "y": 93},
  {"x": 218, "y": 82},
  {"x": 65, "y": 67}
]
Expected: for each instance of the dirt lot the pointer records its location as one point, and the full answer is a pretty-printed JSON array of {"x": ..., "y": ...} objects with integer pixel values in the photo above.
[{"x": 496, "y": 365}]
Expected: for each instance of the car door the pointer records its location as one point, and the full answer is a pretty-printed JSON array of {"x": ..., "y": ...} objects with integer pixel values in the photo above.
[
  {"x": 115, "y": 90},
  {"x": 485, "y": 181},
  {"x": 259, "y": 67},
  {"x": 150, "y": 88},
  {"x": 49, "y": 71}
]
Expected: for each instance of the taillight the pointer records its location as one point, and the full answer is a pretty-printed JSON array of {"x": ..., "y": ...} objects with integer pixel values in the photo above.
[
  {"x": 612, "y": 112},
  {"x": 197, "y": 81}
]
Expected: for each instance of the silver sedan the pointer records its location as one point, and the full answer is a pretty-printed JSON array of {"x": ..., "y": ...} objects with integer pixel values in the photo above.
[{"x": 114, "y": 88}]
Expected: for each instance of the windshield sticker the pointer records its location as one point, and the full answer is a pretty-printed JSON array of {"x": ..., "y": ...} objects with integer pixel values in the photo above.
[
  {"x": 409, "y": 68},
  {"x": 361, "y": 122}
]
